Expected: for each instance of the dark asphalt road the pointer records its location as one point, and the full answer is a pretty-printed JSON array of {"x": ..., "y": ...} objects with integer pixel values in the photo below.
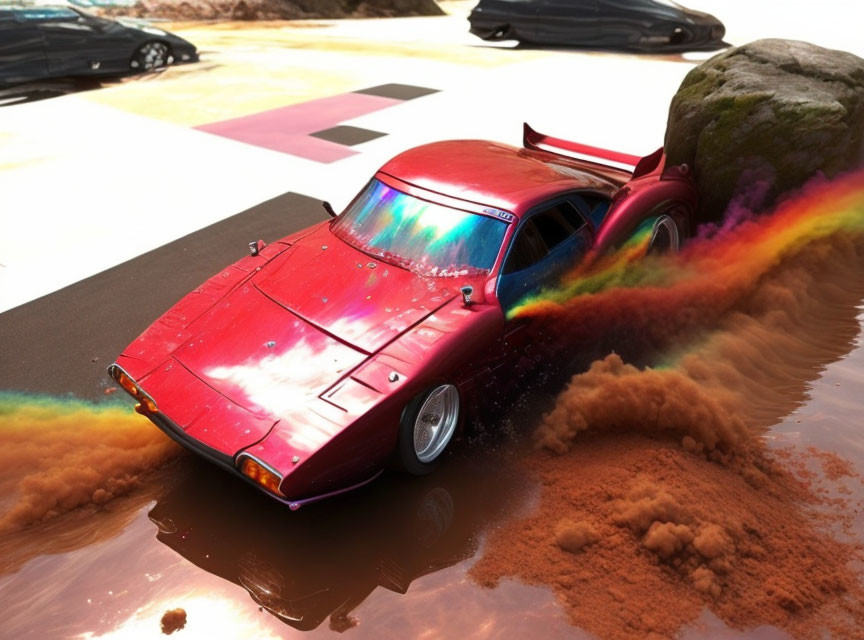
[{"x": 62, "y": 343}]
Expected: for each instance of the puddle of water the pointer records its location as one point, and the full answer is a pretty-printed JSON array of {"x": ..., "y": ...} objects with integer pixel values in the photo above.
[{"x": 393, "y": 556}]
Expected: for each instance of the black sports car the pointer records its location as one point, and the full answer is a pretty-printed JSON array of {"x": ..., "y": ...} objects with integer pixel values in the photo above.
[
  {"x": 640, "y": 25},
  {"x": 38, "y": 42}
]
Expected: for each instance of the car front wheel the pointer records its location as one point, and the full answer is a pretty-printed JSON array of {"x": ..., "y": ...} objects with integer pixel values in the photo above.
[
  {"x": 427, "y": 427},
  {"x": 151, "y": 55},
  {"x": 502, "y": 32}
]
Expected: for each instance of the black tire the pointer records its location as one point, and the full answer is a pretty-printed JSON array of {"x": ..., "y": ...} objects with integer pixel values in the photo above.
[
  {"x": 679, "y": 35},
  {"x": 665, "y": 237},
  {"x": 504, "y": 32},
  {"x": 154, "y": 54},
  {"x": 420, "y": 463},
  {"x": 669, "y": 232}
]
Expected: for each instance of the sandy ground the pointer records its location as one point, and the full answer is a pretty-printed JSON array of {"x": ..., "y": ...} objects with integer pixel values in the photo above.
[{"x": 96, "y": 178}]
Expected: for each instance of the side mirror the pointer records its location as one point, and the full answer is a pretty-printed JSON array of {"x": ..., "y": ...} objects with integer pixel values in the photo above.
[
  {"x": 255, "y": 247},
  {"x": 467, "y": 292},
  {"x": 329, "y": 208}
]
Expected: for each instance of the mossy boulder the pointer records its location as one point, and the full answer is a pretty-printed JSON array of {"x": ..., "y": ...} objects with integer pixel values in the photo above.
[{"x": 770, "y": 114}]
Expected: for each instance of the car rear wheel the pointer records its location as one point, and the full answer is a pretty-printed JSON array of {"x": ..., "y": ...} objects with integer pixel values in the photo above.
[
  {"x": 678, "y": 36},
  {"x": 665, "y": 236},
  {"x": 427, "y": 427},
  {"x": 151, "y": 55}
]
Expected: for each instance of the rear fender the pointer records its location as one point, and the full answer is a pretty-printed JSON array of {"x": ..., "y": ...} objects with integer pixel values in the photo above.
[{"x": 640, "y": 200}]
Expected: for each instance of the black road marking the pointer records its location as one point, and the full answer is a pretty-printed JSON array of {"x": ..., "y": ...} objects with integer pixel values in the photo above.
[
  {"x": 347, "y": 135},
  {"x": 398, "y": 91},
  {"x": 61, "y": 343}
]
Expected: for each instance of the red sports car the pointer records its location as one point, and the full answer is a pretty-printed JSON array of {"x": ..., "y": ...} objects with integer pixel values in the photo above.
[{"x": 312, "y": 363}]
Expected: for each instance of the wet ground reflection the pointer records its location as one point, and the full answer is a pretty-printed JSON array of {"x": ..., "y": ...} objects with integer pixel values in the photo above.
[
  {"x": 326, "y": 559},
  {"x": 318, "y": 571}
]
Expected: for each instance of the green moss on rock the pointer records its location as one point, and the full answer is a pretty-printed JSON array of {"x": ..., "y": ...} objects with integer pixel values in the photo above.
[{"x": 774, "y": 110}]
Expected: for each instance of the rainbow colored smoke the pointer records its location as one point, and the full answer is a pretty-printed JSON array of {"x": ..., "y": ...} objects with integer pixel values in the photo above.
[{"x": 713, "y": 268}]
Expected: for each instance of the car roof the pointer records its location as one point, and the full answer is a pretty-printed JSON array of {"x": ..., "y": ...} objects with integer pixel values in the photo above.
[{"x": 499, "y": 175}]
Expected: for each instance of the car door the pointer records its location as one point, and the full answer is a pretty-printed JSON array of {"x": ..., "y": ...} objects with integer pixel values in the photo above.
[
  {"x": 71, "y": 44},
  {"x": 628, "y": 22},
  {"x": 22, "y": 54},
  {"x": 520, "y": 15},
  {"x": 568, "y": 22},
  {"x": 548, "y": 242}
]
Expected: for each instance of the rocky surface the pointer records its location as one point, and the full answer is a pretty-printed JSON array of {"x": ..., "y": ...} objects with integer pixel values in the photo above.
[
  {"x": 274, "y": 9},
  {"x": 760, "y": 119}
]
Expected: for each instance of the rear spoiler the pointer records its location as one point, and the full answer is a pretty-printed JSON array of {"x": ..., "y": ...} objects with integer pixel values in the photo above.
[{"x": 634, "y": 164}]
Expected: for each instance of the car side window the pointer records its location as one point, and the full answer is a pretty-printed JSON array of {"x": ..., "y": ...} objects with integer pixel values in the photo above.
[
  {"x": 594, "y": 206},
  {"x": 528, "y": 248},
  {"x": 553, "y": 227},
  {"x": 557, "y": 223},
  {"x": 546, "y": 245},
  {"x": 47, "y": 14},
  {"x": 541, "y": 234}
]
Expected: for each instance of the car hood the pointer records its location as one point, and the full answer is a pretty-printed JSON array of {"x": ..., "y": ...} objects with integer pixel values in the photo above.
[
  {"x": 261, "y": 356},
  {"x": 358, "y": 300}
]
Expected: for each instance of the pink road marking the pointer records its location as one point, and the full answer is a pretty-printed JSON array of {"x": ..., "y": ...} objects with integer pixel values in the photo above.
[{"x": 287, "y": 129}]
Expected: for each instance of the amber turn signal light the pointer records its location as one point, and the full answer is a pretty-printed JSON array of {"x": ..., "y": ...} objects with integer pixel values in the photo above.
[
  {"x": 260, "y": 474},
  {"x": 126, "y": 383},
  {"x": 147, "y": 404}
]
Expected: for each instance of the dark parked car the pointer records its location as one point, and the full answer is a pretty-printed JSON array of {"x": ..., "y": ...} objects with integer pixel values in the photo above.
[
  {"x": 38, "y": 42},
  {"x": 641, "y": 25}
]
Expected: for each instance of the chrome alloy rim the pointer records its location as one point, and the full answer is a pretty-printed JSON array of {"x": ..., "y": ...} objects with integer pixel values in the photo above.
[
  {"x": 436, "y": 422},
  {"x": 664, "y": 236},
  {"x": 154, "y": 55}
]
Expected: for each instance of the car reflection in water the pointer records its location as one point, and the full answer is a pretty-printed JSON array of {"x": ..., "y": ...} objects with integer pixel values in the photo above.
[{"x": 326, "y": 559}]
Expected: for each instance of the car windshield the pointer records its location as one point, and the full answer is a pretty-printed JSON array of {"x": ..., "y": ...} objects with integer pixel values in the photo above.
[
  {"x": 46, "y": 13},
  {"x": 427, "y": 238}
]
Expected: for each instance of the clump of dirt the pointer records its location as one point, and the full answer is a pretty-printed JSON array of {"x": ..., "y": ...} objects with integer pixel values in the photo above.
[
  {"x": 671, "y": 533},
  {"x": 173, "y": 620},
  {"x": 574, "y": 536},
  {"x": 670, "y": 401},
  {"x": 274, "y": 9}
]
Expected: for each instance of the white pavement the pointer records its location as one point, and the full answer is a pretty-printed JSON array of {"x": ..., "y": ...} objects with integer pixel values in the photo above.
[{"x": 85, "y": 186}]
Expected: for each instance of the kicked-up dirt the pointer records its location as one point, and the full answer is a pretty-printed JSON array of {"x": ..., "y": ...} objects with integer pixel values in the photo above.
[{"x": 660, "y": 497}]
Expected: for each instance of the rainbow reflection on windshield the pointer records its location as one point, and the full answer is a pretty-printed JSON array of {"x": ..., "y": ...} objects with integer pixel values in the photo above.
[{"x": 424, "y": 237}]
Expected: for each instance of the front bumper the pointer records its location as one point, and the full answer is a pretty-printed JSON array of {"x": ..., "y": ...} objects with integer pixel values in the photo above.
[
  {"x": 177, "y": 434},
  {"x": 184, "y": 52},
  {"x": 226, "y": 462},
  {"x": 183, "y": 57}
]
